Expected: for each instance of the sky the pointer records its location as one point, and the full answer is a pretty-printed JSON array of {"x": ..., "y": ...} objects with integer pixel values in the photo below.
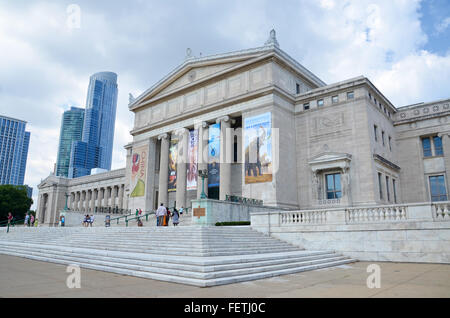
[{"x": 48, "y": 50}]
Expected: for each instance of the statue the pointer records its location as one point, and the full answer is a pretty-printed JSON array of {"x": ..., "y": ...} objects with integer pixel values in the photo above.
[{"x": 272, "y": 39}]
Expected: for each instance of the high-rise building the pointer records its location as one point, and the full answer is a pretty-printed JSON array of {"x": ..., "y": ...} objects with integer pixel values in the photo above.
[
  {"x": 71, "y": 131},
  {"x": 96, "y": 145},
  {"x": 14, "y": 142}
]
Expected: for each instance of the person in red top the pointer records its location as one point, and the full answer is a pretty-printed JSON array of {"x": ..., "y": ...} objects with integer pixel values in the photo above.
[{"x": 10, "y": 217}]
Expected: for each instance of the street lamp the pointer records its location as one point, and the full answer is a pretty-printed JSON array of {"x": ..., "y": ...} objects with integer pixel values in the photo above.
[{"x": 203, "y": 174}]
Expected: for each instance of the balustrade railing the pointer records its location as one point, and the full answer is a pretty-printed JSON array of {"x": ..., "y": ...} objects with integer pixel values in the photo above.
[
  {"x": 303, "y": 217},
  {"x": 441, "y": 211},
  {"x": 376, "y": 214}
]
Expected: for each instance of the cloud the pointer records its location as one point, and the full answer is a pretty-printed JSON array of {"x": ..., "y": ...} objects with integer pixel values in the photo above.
[{"x": 45, "y": 65}]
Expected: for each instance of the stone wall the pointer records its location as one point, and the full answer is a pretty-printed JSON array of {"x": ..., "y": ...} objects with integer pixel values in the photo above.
[{"x": 397, "y": 233}]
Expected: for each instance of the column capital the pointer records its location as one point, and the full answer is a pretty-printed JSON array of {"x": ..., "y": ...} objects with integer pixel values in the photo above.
[
  {"x": 444, "y": 133},
  {"x": 163, "y": 136},
  {"x": 223, "y": 118},
  {"x": 202, "y": 124},
  {"x": 180, "y": 131}
]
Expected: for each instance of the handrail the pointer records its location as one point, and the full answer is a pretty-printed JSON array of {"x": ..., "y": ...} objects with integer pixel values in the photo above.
[
  {"x": 13, "y": 222},
  {"x": 133, "y": 218},
  {"x": 140, "y": 216}
]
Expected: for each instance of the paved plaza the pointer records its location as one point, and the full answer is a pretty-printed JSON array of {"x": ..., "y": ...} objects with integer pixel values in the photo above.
[{"x": 20, "y": 277}]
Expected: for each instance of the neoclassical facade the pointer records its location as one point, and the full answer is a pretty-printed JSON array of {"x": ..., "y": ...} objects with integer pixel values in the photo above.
[{"x": 266, "y": 128}]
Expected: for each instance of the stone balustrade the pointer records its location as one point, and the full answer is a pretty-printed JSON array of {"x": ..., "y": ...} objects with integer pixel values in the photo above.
[
  {"x": 441, "y": 211},
  {"x": 388, "y": 213},
  {"x": 304, "y": 217}
]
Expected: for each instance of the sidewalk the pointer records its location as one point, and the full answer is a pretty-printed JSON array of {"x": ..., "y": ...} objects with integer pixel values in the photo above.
[{"x": 20, "y": 277}]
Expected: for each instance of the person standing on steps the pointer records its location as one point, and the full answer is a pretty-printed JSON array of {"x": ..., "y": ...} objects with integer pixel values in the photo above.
[
  {"x": 160, "y": 213},
  {"x": 10, "y": 217},
  {"x": 27, "y": 219},
  {"x": 175, "y": 216}
]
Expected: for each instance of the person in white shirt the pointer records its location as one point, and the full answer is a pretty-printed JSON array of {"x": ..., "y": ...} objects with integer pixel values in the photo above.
[{"x": 160, "y": 213}]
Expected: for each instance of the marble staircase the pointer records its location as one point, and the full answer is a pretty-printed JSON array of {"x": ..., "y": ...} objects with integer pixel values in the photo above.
[{"x": 193, "y": 255}]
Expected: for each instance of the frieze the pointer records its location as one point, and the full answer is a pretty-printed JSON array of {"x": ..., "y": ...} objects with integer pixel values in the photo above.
[{"x": 421, "y": 110}]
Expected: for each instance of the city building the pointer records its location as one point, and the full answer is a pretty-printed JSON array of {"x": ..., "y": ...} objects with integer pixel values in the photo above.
[
  {"x": 14, "y": 142},
  {"x": 71, "y": 131},
  {"x": 327, "y": 156},
  {"x": 96, "y": 145}
]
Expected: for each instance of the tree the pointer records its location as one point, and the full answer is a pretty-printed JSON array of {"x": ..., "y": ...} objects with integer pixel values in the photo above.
[{"x": 14, "y": 199}]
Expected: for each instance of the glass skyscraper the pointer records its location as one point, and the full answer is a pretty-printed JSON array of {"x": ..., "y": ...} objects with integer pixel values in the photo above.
[
  {"x": 14, "y": 142},
  {"x": 96, "y": 146},
  {"x": 71, "y": 131}
]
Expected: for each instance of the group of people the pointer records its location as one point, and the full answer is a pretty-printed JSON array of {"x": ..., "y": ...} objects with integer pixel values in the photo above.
[
  {"x": 163, "y": 216},
  {"x": 29, "y": 219},
  {"x": 88, "y": 220}
]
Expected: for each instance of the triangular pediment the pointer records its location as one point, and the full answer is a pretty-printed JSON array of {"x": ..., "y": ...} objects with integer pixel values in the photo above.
[
  {"x": 330, "y": 158},
  {"x": 195, "y": 70}
]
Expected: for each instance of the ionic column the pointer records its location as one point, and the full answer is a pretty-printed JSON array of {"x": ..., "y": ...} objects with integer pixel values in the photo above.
[
  {"x": 202, "y": 156},
  {"x": 77, "y": 204},
  {"x": 93, "y": 200},
  {"x": 114, "y": 196},
  {"x": 163, "y": 169},
  {"x": 99, "y": 199},
  {"x": 183, "y": 142},
  {"x": 121, "y": 187},
  {"x": 226, "y": 156}
]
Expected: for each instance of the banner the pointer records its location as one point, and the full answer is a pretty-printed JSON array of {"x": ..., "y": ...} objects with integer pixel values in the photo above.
[
  {"x": 191, "y": 176},
  {"x": 138, "y": 171},
  {"x": 214, "y": 156},
  {"x": 258, "y": 148},
  {"x": 173, "y": 155}
]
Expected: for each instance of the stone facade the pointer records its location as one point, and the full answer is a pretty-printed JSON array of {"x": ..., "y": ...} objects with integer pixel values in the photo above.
[{"x": 347, "y": 129}]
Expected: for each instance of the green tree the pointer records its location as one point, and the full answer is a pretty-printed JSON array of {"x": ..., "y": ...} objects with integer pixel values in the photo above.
[{"x": 14, "y": 199}]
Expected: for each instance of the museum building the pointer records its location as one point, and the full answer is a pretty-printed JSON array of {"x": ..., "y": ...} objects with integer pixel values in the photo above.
[{"x": 265, "y": 128}]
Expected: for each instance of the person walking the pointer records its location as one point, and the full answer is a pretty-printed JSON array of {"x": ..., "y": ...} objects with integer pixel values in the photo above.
[
  {"x": 160, "y": 213},
  {"x": 181, "y": 211},
  {"x": 175, "y": 217},
  {"x": 27, "y": 219},
  {"x": 32, "y": 220},
  {"x": 10, "y": 217},
  {"x": 91, "y": 220}
]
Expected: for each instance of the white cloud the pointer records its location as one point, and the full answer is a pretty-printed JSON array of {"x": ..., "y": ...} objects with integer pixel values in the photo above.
[{"x": 441, "y": 27}]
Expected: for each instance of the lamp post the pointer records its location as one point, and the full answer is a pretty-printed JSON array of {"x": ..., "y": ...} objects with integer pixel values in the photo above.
[{"x": 203, "y": 174}]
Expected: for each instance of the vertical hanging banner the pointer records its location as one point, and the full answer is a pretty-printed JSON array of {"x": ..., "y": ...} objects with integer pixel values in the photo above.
[
  {"x": 258, "y": 148},
  {"x": 173, "y": 155},
  {"x": 214, "y": 156},
  {"x": 191, "y": 176},
  {"x": 138, "y": 171}
]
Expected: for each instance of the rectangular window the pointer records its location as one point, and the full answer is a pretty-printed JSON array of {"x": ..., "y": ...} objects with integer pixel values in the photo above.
[
  {"x": 394, "y": 188},
  {"x": 297, "y": 88},
  {"x": 306, "y": 106},
  {"x": 390, "y": 143},
  {"x": 334, "y": 99},
  {"x": 438, "y": 146},
  {"x": 375, "y": 131},
  {"x": 382, "y": 137},
  {"x": 387, "y": 189},
  {"x": 426, "y": 145},
  {"x": 320, "y": 102},
  {"x": 437, "y": 188},
  {"x": 350, "y": 95},
  {"x": 333, "y": 186},
  {"x": 380, "y": 186}
]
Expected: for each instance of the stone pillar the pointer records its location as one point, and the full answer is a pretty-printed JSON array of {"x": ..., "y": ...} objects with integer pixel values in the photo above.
[
  {"x": 226, "y": 156},
  {"x": 93, "y": 200},
  {"x": 446, "y": 149},
  {"x": 163, "y": 169},
  {"x": 202, "y": 156},
  {"x": 183, "y": 143},
  {"x": 113, "y": 197},
  {"x": 121, "y": 187},
  {"x": 77, "y": 203},
  {"x": 99, "y": 199}
]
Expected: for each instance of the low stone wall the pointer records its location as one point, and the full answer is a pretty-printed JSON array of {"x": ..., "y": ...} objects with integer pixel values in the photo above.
[
  {"x": 396, "y": 233},
  {"x": 224, "y": 211}
]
